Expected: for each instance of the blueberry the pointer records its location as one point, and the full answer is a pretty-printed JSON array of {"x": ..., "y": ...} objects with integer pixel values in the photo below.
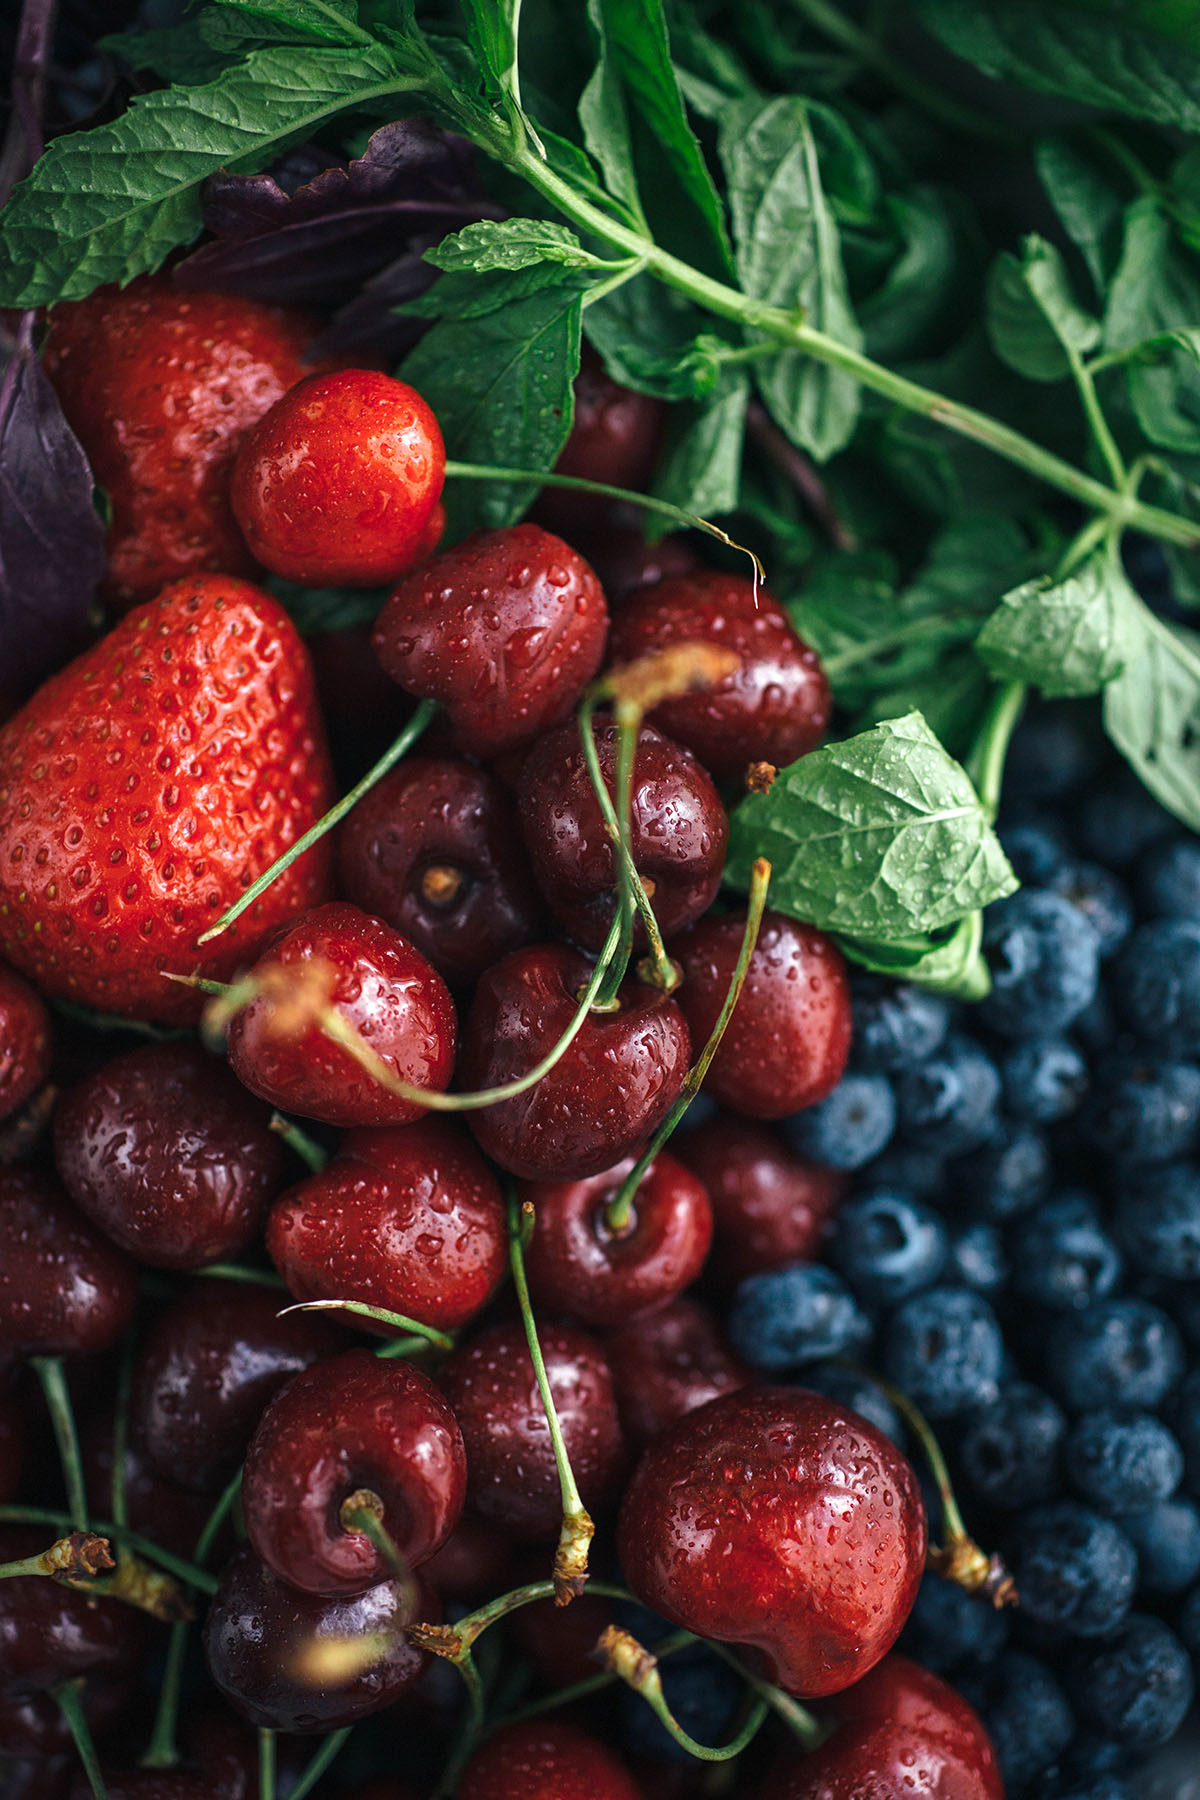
[
  {"x": 1044, "y": 956},
  {"x": 888, "y": 1245},
  {"x": 704, "y": 1696},
  {"x": 1158, "y": 1222},
  {"x": 849, "y": 1127},
  {"x": 1051, "y": 754},
  {"x": 948, "y": 1103},
  {"x": 1075, "y": 1571},
  {"x": 1010, "y": 1451},
  {"x": 943, "y": 1348},
  {"x": 1026, "y": 1712},
  {"x": 1189, "y": 1622},
  {"x": 1137, "y": 1687},
  {"x": 1157, "y": 985},
  {"x": 1119, "y": 820},
  {"x": 1044, "y": 1079},
  {"x": 1143, "y": 1110},
  {"x": 911, "y": 1168},
  {"x": 1101, "y": 897},
  {"x": 1005, "y": 1177},
  {"x": 895, "y": 1024},
  {"x": 1168, "y": 883},
  {"x": 1096, "y": 1027},
  {"x": 976, "y": 1258},
  {"x": 1096, "y": 1787},
  {"x": 786, "y": 1317},
  {"x": 1167, "y": 1540},
  {"x": 1118, "y": 1352},
  {"x": 948, "y": 1626},
  {"x": 1036, "y": 851},
  {"x": 1118, "y": 1462},
  {"x": 1185, "y": 1307},
  {"x": 1187, "y": 1429},
  {"x": 857, "y": 1391},
  {"x": 1062, "y": 1256}
]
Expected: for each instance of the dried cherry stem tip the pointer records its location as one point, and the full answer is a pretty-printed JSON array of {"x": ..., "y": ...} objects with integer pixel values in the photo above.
[
  {"x": 622, "y": 1653},
  {"x": 73, "y": 1559},
  {"x": 442, "y": 883}
]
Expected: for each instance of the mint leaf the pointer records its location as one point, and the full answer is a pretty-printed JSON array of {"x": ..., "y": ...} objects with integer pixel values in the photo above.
[
  {"x": 880, "y": 837},
  {"x": 604, "y": 118},
  {"x": 511, "y": 244},
  {"x": 654, "y": 340},
  {"x": 1066, "y": 637},
  {"x": 1086, "y": 203},
  {"x": 1152, "y": 715},
  {"x": 1153, "y": 309},
  {"x": 492, "y": 35},
  {"x": 112, "y": 203},
  {"x": 1033, "y": 319},
  {"x": 465, "y": 294},
  {"x": 317, "y": 21},
  {"x": 923, "y": 279},
  {"x": 182, "y": 53},
  {"x": 701, "y": 466},
  {"x": 951, "y": 964}
]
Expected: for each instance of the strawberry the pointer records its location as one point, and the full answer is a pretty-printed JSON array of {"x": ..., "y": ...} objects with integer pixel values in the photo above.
[{"x": 146, "y": 785}]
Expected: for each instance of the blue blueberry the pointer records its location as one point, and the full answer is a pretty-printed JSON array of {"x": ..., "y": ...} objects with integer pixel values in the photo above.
[
  {"x": 1101, "y": 897},
  {"x": 1118, "y": 1462},
  {"x": 1096, "y": 1027},
  {"x": 1044, "y": 1080},
  {"x": 704, "y": 1695},
  {"x": 1156, "y": 985},
  {"x": 911, "y": 1168},
  {"x": 1142, "y": 1110},
  {"x": 1185, "y": 1308},
  {"x": 1118, "y": 1352},
  {"x": 849, "y": 1127},
  {"x": 1062, "y": 1256},
  {"x": 1010, "y": 1452},
  {"x": 1036, "y": 850},
  {"x": 895, "y": 1024},
  {"x": 944, "y": 1349},
  {"x": 1044, "y": 956},
  {"x": 1167, "y": 1540},
  {"x": 1187, "y": 1428},
  {"x": 1026, "y": 1712},
  {"x": 976, "y": 1258},
  {"x": 1119, "y": 820},
  {"x": 948, "y": 1627},
  {"x": 1137, "y": 1687},
  {"x": 1189, "y": 1622},
  {"x": 856, "y": 1390},
  {"x": 887, "y": 1245},
  {"x": 1157, "y": 1221},
  {"x": 1075, "y": 1571},
  {"x": 948, "y": 1103},
  {"x": 1095, "y": 1787},
  {"x": 1168, "y": 882},
  {"x": 786, "y": 1317},
  {"x": 1006, "y": 1177}
]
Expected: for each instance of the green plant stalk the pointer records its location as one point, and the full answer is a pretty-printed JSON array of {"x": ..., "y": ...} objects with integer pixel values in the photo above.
[
  {"x": 320, "y": 1762},
  {"x": 799, "y": 1721},
  {"x": 63, "y": 1521},
  {"x": 252, "y": 1277},
  {"x": 70, "y": 1706},
  {"x": 120, "y": 1438},
  {"x": 985, "y": 764},
  {"x": 639, "y": 1670},
  {"x": 612, "y": 825},
  {"x": 595, "y": 1684},
  {"x": 49, "y": 1371},
  {"x": 441, "y": 1340},
  {"x": 298, "y": 1141},
  {"x": 266, "y": 1764},
  {"x": 1114, "y": 462}
]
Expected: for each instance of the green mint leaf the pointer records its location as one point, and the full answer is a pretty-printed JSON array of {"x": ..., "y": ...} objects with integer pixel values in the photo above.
[
  {"x": 654, "y": 340},
  {"x": 923, "y": 279},
  {"x": 953, "y": 964},
  {"x": 788, "y": 254},
  {"x": 314, "y": 610},
  {"x": 1155, "y": 296},
  {"x": 112, "y": 203},
  {"x": 880, "y": 837},
  {"x": 511, "y": 244},
  {"x": 1152, "y": 715},
  {"x": 701, "y": 465},
  {"x": 181, "y": 54},
  {"x": 1087, "y": 204},
  {"x": 604, "y": 118},
  {"x": 1033, "y": 319},
  {"x": 1068, "y": 637},
  {"x": 467, "y": 294},
  {"x": 312, "y": 21}
]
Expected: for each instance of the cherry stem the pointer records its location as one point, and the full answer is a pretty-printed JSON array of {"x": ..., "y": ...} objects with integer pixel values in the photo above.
[
  {"x": 49, "y": 1371},
  {"x": 616, "y": 1215},
  {"x": 455, "y": 1641},
  {"x": 391, "y": 756},
  {"x": 235, "y": 1272},
  {"x": 72, "y": 1560},
  {"x": 362, "y": 1511},
  {"x": 403, "y": 1346},
  {"x": 306, "y": 1148},
  {"x": 799, "y": 1721},
  {"x": 266, "y": 1764},
  {"x": 639, "y": 1670},
  {"x": 71, "y": 1707},
  {"x": 595, "y": 1684},
  {"x": 441, "y": 1339},
  {"x": 320, "y": 1762},
  {"x": 166, "y": 1559},
  {"x": 120, "y": 1436}
]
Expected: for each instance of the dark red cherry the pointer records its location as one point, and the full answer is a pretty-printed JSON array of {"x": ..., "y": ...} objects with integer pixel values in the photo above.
[
  {"x": 220, "y": 1763},
  {"x": 667, "y": 1363},
  {"x": 512, "y": 1476},
  {"x": 560, "y": 1640},
  {"x": 774, "y": 1518},
  {"x": 354, "y": 1422},
  {"x": 158, "y": 1508},
  {"x": 770, "y": 1207},
  {"x": 578, "y": 1265},
  {"x": 603, "y": 1098},
  {"x": 407, "y": 1217},
  {"x": 786, "y": 1045},
  {"x": 212, "y": 1361},
  {"x": 506, "y": 629},
  {"x": 434, "y": 850},
  {"x": 166, "y": 1151},
  {"x": 773, "y": 709},
  {"x": 263, "y": 1640},
  {"x": 474, "y": 1564},
  {"x": 64, "y": 1288},
  {"x": 25, "y": 1040},
  {"x": 12, "y": 1447},
  {"x": 615, "y": 437},
  {"x": 546, "y": 1759},
  {"x": 381, "y": 984},
  {"x": 624, "y": 561},
  {"x": 678, "y": 827}
]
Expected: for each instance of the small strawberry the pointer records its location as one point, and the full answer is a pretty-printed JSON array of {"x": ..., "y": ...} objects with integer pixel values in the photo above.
[{"x": 145, "y": 786}]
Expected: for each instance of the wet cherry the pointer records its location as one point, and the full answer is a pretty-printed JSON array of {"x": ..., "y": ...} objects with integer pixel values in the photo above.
[
  {"x": 667, "y": 1363},
  {"x": 64, "y": 1288},
  {"x": 546, "y": 1759},
  {"x": 25, "y": 1041},
  {"x": 615, "y": 437},
  {"x": 770, "y": 1207}
]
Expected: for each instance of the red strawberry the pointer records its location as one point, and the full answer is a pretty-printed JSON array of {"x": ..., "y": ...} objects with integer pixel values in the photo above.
[{"x": 145, "y": 786}]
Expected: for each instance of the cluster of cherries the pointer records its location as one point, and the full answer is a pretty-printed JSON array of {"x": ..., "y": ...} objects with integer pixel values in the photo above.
[{"x": 526, "y": 937}]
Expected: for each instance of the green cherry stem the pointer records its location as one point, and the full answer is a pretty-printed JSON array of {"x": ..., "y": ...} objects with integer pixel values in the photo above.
[
  {"x": 638, "y": 1668},
  {"x": 453, "y": 1641},
  {"x": 71, "y": 1707},
  {"x": 298, "y": 1140},
  {"x": 120, "y": 1437},
  {"x": 73, "y": 1560},
  {"x": 799, "y": 1721},
  {"x": 320, "y": 1762},
  {"x": 235, "y": 1272},
  {"x": 49, "y": 1371},
  {"x": 266, "y": 1764},
  {"x": 362, "y": 1511},
  {"x": 440, "y": 1339},
  {"x": 595, "y": 1684}
]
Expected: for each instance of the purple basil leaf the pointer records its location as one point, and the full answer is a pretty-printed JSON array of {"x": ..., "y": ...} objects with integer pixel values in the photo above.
[
  {"x": 369, "y": 321},
  {"x": 51, "y": 537}
]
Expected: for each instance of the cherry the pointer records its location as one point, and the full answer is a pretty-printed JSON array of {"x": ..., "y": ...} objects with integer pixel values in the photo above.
[
  {"x": 25, "y": 1042},
  {"x": 786, "y": 1045},
  {"x": 336, "y": 485},
  {"x": 613, "y": 1085},
  {"x": 546, "y": 1759},
  {"x": 678, "y": 829},
  {"x": 774, "y": 708},
  {"x": 434, "y": 850},
  {"x": 353, "y": 1423},
  {"x": 169, "y": 1155},
  {"x": 380, "y": 984},
  {"x": 624, "y": 561},
  {"x": 615, "y": 437},
  {"x": 577, "y": 1264},
  {"x": 154, "y": 1505},
  {"x": 63, "y": 1287},
  {"x": 406, "y": 1217},
  {"x": 513, "y": 1480},
  {"x": 506, "y": 629},
  {"x": 212, "y": 1361},
  {"x": 474, "y": 1563},
  {"x": 770, "y": 1207},
  {"x": 666, "y": 1363},
  {"x": 560, "y": 1641},
  {"x": 263, "y": 1640},
  {"x": 772, "y": 1517}
]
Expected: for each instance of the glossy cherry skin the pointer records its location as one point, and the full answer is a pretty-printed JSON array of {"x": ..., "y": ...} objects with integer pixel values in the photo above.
[
  {"x": 25, "y": 1041},
  {"x": 210, "y": 1364},
  {"x": 902, "y": 1734},
  {"x": 506, "y": 629},
  {"x": 786, "y": 1045},
  {"x": 774, "y": 1518},
  {"x": 258, "y": 1628},
  {"x": 221, "y": 1755},
  {"x": 406, "y": 1217},
  {"x": 667, "y": 1363},
  {"x": 512, "y": 1476},
  {"x": 678, "y": 828},
  {"x": 577, "y": 1265},
  {"x": 166, "y": 1151},
  {"x": 615, "y": 437},
  {"x": 560, "y": 1641},
  {"x": 435, "y": 851},
  {"x": 400, "y": 1006},
  {"x": 336, "y": 485},
  {"x": 474, "y": 1564},
  {"x": 546, "y": 1759},
  {"x": 770, "y": 1207},
  {"x": 355, "y": 1421},
  {"x": 613, "y": 1085},
  {"x": 64, "y": 1289},
  {"x": 773, "y": 709}
]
